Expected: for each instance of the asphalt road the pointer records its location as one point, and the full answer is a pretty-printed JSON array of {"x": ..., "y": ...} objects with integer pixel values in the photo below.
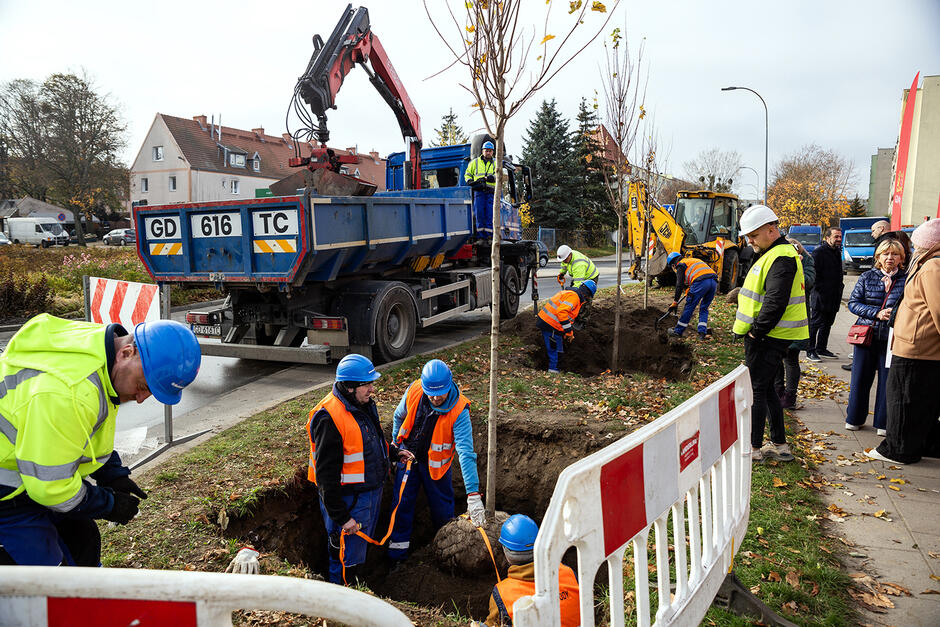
[{"x": 227, "y": 389}]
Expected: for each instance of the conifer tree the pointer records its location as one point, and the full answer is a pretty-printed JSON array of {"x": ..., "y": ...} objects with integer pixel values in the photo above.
[
  {"x": 450, "y": 133},
  {"x": 547, "y": 150},
  {"x": 588, "y": 189}
]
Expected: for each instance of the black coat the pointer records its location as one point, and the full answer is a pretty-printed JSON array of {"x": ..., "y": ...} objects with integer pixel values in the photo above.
[{"x": 827, "y": 290}]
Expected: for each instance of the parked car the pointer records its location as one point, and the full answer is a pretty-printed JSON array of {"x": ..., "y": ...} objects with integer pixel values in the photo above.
[
  {"x": 4, "y": 240},
  {"x": 120, "y": 237},
  {"x": 543, "y": 253}
]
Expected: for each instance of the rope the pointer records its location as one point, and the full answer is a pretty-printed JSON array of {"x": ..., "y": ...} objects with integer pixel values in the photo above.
[
  {"x": 489, "y": 547},
  {"x": 388, "y": 534}
]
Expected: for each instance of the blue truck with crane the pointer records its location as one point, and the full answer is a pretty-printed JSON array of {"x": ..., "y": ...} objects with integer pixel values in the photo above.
[{"x": 336, "y": 267}]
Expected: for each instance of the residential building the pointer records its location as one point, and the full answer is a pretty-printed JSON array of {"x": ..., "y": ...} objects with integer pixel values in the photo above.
[
  {"x": 879, "y": 182},
  {"x": 921, "y": 199},
  {"x": 197, "y": 160},
  {"x": 28, "y": 207}
]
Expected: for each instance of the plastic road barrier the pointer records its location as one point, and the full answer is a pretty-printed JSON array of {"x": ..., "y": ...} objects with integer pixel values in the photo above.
[
  {"x": 123, "y": 302},
  {"x": 693, "y": 464},
  {"x": 46, "y": 596}
]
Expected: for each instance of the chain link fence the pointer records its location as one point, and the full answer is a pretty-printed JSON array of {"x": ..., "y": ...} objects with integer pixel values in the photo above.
[{"x": 553, "y": 238}]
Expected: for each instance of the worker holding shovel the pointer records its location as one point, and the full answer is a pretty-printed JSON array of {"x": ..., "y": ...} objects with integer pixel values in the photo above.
[{"x": 702, "y": 283}]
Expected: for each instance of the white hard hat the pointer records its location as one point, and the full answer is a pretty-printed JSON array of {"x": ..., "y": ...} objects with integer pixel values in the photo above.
[
  {"x": 563, "y": 251},
  {"x": 755, "y": 217}
]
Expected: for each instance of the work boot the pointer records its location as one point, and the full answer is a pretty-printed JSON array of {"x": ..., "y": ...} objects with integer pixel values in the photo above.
[
  {"x": 847, "y": 366},
  {"x": 757, "y": 455},
  {"x": 704, "y": 336},
  {"x": 780, "y": 452},
  {"x": 674, "y": 333}
]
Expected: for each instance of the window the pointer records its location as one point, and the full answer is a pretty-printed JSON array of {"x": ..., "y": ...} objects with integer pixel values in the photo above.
[
  {"x": 158, "y": 153},
  {"x": 236, "y": 160},
  {"x": 234, "y": 187},
  {"x": 172, "y": 183},
  {"x": 144, "y": 184},
  {"x": 256, "y": 164}
]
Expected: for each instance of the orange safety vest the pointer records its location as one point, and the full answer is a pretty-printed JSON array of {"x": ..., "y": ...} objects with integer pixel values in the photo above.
[
  {"x": 509, "y": 590},
  {"x": 695, "y": 268},
  {"x": 354, "y": 462},
  {"x": 441, "y": 453},
  {"x": 561, "y": 309}
]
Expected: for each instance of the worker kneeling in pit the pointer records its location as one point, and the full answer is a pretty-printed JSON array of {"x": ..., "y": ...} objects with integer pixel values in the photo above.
[
  {"x": 432, "y": 421},
  {"x": 61, "y": 383},
  {"x": 349, "y": 460},
  {"x": 702, "y": 283},
  {"x": 557, "y": 317},
  {"x": 517, "y": 536}
]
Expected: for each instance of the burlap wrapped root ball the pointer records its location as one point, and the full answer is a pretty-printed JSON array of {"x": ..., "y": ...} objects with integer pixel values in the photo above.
[{"x": 459, "y": 547}]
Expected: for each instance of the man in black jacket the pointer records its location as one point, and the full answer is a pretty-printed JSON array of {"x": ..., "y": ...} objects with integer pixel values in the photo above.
[{"x": 826, "y": 295}]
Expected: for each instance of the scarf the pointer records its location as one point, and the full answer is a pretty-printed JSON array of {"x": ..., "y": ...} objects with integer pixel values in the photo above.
[{"x": 888, "y": 279}]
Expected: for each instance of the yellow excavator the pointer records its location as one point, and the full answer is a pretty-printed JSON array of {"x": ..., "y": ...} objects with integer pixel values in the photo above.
[{"x": 704, "y": 225}]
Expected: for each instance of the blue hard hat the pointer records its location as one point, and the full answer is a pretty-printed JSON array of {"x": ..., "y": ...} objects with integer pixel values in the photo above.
[
  {"x": 591, "y": 285},
  {"x": 356, "y": 368},
  {"x": 436, "y": 379},
  {"x": 170, "y": 356},
  {"x": 672, "y": 258},
  {"x": 518, "y": 533},
  {"x": 488, "y": 144}
]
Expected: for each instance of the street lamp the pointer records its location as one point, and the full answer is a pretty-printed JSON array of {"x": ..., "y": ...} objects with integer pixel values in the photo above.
[
  {"x": 766, "y": 133},
  {"x": 747, "y": 167}
]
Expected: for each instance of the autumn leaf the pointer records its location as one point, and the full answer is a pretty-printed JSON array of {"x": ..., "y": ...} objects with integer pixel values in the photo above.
[
  {"x": 573, "y": 6},
  {"x": 899, "y": 481},
  {"x": 471, "y": 28},
  {"x": 778, "y": 482},
  {"x": 774, "y": 576},
  {"x": 546, "y": 38},
  {"x": 895, "y": 488},
  {"x": 895, "y": 589},
  {"x": 880, "y": 513},
  {"x": 598, "y": 6},
  {"x": 793, "y": 578}
]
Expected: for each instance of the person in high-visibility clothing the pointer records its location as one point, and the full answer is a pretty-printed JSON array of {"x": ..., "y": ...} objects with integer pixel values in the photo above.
[
  {"x": 557, "y": 316},
  {"x": 433, "y": 421},
  {"x": 771, "y": 315},
  {"x": 481, "y": 176},
  {"x": 517, "y": 536},
  {"x": 702, "y": 282},
  {"x": 61, "y": 383},
  {"x": 349, "y": 460},
  {"x": 578, "y": 265}
]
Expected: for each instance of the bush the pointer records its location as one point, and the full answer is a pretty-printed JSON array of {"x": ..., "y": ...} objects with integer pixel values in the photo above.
[{"x": 24, "y": 296}]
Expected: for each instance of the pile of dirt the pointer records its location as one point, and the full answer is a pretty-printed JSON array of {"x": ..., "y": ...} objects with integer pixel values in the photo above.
[
  {"x": 533, "y": 450},
  {"x": 643, "y": 347}
]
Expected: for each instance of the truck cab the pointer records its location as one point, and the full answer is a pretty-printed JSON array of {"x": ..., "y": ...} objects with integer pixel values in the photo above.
[
  {"x": 858, "y": 250},
  {"x": 810, "y": 235}
]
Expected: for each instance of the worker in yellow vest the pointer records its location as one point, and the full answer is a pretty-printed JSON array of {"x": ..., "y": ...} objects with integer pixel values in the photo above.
[
  {"x": 349, "y": 460},
  {"x": 432, "y": 421},
  {"x": 61, "y": 383},
  {"x": 576, "y": 264},
  {"x": 480, "y": 175},
  {"x": 771, "y": 315},
  {"x": 702, "y": 282},
  {"x": 517, "y": 536}
]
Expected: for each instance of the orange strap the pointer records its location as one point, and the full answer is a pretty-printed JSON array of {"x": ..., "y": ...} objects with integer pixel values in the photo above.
[
  {"x": 489, "y": 547},
  {"x": 391, "y": 526}
]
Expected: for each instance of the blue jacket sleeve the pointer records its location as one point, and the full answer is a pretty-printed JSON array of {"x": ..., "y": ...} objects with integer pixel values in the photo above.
[
  {"x": 857, "y": 302},
  {"x": 399, "y": 416},
  {"x": 112, "y": 469},
  {"x": 463, "y": 442},
  {"x": 97, "y": 502}
]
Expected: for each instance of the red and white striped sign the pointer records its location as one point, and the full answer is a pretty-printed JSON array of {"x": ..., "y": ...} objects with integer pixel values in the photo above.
[
  {"x": 651, "y": 247},
  {"x": 123, "y": 302},
  {"x": 720, "y": 247}
]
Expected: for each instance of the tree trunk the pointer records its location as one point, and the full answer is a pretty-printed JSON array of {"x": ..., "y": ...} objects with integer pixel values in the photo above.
[
  {"x": 646, "y": 253},
  {"x": 615, "y": 352},
  {"x": 494, "y": 333},
  {"x": 79, "y": 230}
]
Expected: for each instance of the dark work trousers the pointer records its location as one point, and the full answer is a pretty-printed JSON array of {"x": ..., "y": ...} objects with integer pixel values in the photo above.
[
  {"x": 33, "y": 535},
  {"x": 791, "y": 368},
  {"x": 763, "y": 357},
  {"x": 866, "y": 362},
  {"x": 913, "y": 408},
  {"x": 440, "y": 495},
  {"x": 820, "y": 321}
]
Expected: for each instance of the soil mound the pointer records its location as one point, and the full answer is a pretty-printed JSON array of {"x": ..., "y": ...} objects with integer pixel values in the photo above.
[{"x": 643, "y": 346}]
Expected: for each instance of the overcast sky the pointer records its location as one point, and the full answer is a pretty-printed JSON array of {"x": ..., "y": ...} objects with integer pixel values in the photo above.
[{"x": 832, "y": 73}]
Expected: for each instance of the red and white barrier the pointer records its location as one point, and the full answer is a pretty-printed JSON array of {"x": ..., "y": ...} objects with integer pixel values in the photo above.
[
  {"x": 46, "y": 596},
  {"x": 123, "y": 302},
  {"x": 691, "y": 464}
]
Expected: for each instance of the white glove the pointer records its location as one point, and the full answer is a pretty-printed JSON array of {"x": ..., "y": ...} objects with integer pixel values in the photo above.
[
  {"x": 475, "y": 509},
  {"x": 245, "y": 562}
]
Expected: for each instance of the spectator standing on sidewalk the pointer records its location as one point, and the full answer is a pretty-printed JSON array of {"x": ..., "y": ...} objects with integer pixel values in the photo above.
[
  {"x": 872, "y": 300},
  {"x": 913, "y": 401},
  {"x": 880, "y": 233},
  {"x": 771, "y": 315},
  {"x": 787, "y": 380},
  {"x": 826, "y": 295}
]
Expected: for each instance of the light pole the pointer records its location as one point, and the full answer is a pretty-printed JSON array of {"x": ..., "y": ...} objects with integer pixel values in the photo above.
[
  {"x": 766, "y": 133},
  {"x": 747, "y": 167}
]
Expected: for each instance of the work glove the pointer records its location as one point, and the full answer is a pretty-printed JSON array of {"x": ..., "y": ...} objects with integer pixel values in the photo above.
[
  {"x": 127, "y": 486},
  {"x": 561, "y": 280},
  {"x": 569, "y": 336},
  {"x": 475, "y": 509},
  {"x": 490, "y": 178},
  {"x": 245, "y": 562},
  {"x": 125, "y": 508},
  {"x": 674, "y": 307}
]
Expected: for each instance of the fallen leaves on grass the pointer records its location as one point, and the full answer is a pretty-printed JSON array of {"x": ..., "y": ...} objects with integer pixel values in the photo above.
[
  {"x": 778, "y": 482},
  {"x": 793, "y": 578}
]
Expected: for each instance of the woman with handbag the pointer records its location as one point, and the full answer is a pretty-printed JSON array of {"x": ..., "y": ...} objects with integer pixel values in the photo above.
[{"x": 872, "y": 300}]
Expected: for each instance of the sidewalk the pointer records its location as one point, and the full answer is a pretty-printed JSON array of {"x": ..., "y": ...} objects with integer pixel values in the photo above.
[{"x": 888, "y": 516}]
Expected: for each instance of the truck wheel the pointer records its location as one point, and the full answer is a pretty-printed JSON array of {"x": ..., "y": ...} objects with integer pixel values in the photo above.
[
  {"x": 509, "y": 292},
  {"x": 729, "y": 272},
  {"x": 395, "y": 325}
]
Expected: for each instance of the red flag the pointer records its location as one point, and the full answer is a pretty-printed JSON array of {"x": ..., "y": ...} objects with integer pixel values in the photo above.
[{"x": 904, "y": 143}]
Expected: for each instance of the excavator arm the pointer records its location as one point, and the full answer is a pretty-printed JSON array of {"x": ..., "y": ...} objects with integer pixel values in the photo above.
[
  {"x": 353, "y": 43},
  {"x": 657, "y": 237}
]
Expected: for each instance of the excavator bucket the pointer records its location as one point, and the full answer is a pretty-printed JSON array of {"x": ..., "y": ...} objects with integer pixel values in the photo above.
[{"x": 325, "y": 182}]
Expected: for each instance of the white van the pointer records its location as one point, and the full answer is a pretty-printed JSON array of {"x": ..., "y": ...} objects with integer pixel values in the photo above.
[{"x": 37, "y": 231}]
